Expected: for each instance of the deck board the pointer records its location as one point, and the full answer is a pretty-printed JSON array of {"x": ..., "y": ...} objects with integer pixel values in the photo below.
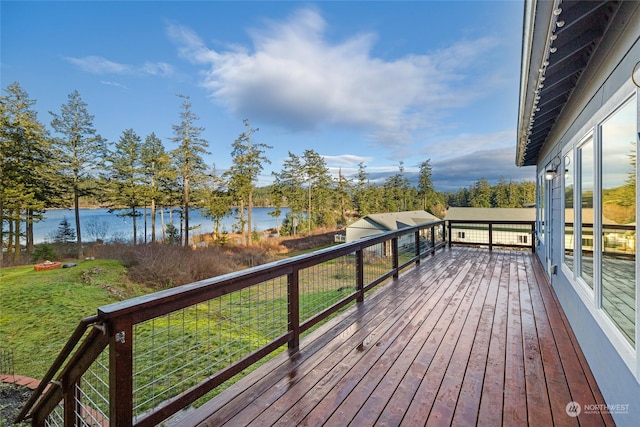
[{"x": 469, "y": 337}]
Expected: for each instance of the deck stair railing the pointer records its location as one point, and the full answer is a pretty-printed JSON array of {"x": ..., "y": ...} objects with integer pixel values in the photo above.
[{"x": 140, "y": 361}]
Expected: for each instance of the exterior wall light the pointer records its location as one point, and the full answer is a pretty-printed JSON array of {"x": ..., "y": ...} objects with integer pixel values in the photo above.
[{"x": 552, "y": 169}]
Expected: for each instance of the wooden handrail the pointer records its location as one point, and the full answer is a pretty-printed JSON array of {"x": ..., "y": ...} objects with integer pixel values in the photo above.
[
  {"x": 489, "y": 226},
  {"x": 118, "y": 319},
  {"x": 72, "y": 342}
]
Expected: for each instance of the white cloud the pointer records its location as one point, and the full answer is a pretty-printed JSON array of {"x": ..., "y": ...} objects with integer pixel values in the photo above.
[
  {"x": 346, "y": 160},
  {"x": 100, "y": 65},
  {"x": 451, "y": 146},
  {"x": 114, "y": 84},
  {"x": 297, "y": 78},
  {"x": 157, "y": 69}
]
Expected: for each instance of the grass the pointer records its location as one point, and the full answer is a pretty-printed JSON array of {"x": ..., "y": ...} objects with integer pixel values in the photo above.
[{"x": 40, "y": 309}]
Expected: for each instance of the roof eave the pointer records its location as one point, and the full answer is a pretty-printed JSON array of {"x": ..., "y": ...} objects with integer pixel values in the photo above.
[{"x": 538, "y": 24}]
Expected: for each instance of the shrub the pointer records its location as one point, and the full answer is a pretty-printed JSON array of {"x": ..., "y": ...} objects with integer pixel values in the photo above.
[
  {"x": 161, "y": 266},
  {"x": 43, "y": 252}
]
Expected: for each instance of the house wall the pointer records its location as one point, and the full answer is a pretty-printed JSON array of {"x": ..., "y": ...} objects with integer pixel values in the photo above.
[{"x": 603, "y": 85}]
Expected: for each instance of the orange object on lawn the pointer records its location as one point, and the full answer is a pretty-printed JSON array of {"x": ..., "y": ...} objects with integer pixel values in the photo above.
[{"x": 47, "y": 265}]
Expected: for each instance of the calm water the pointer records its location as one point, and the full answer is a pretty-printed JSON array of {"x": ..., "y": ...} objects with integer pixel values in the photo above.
[{"x": 121, "y": 228}]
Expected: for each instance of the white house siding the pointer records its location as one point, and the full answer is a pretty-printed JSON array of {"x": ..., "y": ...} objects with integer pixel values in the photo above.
[{"x": 602, "y": 87}]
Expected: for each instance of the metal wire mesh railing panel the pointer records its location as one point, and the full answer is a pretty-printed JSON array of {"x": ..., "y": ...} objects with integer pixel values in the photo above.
[
  {"x": 174, "y": 352},
  {"x": 470, "y": 233},
  {"x": 501, "y": 234},
  {"x": 55, "y": 418},
  {"x": 425, "y": 241},
  {"x": 92, "y": 394},
  {"x": 406, "y": 247},
  {"x": 512, "y": 235},
  {"x": 378, "y": 261},
  {"x": 322, "y": 285},
  {"x": 439, "y": 233}
]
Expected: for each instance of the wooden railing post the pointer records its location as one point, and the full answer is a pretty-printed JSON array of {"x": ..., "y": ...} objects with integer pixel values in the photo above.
[
  {"x": 71, "y": 404},
  {"x": 433, "y": 238},
  {"x": 394, "y": 256},
  {"x": 449, "y": 229},
  {"x": 121, "y": 373},
  {"x": 360, "y": 275},
  {"x": 294, "y": 308},
  {"x": 417, "y": 251},
  {"x": 533, "y": 237}
]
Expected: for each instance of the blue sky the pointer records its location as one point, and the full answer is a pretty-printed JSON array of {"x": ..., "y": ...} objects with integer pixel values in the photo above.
[{"x": 372, "y": 81}]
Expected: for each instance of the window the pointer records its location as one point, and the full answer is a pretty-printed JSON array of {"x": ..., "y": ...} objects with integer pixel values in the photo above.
[
  {"x": 522, "y": 239},
  {"x": 585, "y": 152},
  {"x": 618, "y": 217},
  {"x": 599, "y": 195},
  {"x": 568, "y": 210},
  {"x": 460, "y": 234}
]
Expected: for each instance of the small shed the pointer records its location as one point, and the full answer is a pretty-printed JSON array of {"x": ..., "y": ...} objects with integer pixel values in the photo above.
[{"x": 378, "y": 223}]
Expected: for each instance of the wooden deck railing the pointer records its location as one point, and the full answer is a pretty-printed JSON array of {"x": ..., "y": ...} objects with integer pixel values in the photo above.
[
  {"x": 510, "y": 234},
  {"x": 144, "y": 359}
]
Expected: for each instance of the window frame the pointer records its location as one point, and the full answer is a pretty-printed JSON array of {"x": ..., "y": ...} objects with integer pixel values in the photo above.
[{"x": 592, "y": 298}]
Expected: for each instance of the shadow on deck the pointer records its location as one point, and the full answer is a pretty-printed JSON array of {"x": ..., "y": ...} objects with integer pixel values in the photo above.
[{"x": 470, "y": 337}]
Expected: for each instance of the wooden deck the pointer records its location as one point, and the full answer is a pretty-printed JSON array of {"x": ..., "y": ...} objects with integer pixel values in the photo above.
[{"x": 471, "y": 337}]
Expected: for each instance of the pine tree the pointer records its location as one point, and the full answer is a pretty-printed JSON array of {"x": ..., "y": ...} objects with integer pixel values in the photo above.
[
  {"x": 216, "y": 202},
  {"x": 248, "y": 159},
  {"x": 361, "y": 196},
  {"x": 27, "y": 165},
  {"x": 289, "y": 181},
  {"x": 79, "y": 149},
  {"x": 425, "y": 186},
  {"x": 319, "y": 185},
  {"x": 396, "y": 191},
  {"x": 125, "y": 177},
  {"x": 156, "y": 166},
  {"x": 480, "y": 194},
  {"x": 344, "y": 195},
  {"x": 188, "y": 156}
]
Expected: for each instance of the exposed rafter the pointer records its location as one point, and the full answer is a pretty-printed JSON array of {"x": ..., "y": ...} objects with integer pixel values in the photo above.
[{"x": 575, "y": 29}]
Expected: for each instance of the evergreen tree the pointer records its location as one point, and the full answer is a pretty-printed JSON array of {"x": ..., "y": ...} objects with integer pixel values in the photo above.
[
  {"x": 156, "y": 166},
  {"x": 344, "y": 195},
  {"x": 319, "y": 186},
  {"x": 277, "y": 198},
  {"x": 500, "y": 196},
  {"x": 125, "y": 177},
  {"x": 289, "y": 180},
  {"x": 188, "y": 156},
  {"x": 248, "y": 159},
  {"x": 362, "y": 193},
  {"x": 396, "y": 191},
  {"x": 27, "y": 168},
  {"x": 481, "y": 194},
  {"x": 426, "y": 191},
  {"x": 79, "y": 150},
  {"x": 65, "y": 233},
  {"x": 216, "y": 202}
]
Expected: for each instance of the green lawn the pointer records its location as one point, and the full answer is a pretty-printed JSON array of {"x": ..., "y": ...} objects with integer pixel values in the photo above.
[{"x": 40, "y": 309}]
